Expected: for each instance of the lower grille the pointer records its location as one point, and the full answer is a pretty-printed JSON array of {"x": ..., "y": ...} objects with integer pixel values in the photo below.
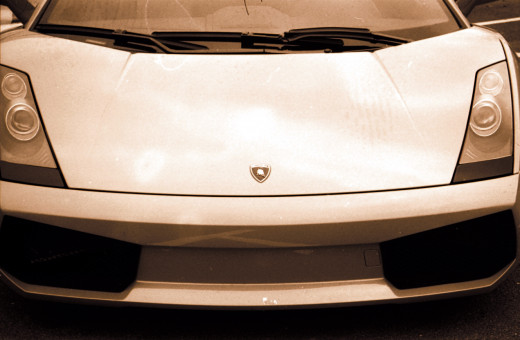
[
  {"x": 45, "y": 255},
  {"x": 465, "y": 251},
  {"x": 259, "y": 265}
]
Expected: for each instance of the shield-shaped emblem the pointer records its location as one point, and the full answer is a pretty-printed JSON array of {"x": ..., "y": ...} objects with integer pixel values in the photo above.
[{"x": 260, "y": 172}]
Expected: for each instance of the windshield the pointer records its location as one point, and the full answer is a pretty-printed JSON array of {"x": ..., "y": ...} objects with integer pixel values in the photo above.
[{"x": 411, "y": 19}]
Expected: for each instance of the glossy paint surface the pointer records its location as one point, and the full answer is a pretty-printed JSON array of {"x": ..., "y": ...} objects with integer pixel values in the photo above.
[{"x": 193, "y": 124}]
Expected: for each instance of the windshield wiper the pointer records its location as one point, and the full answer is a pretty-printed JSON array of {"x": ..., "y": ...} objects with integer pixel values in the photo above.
[
  {"x": 362, "y": 34},
  {"x": 197, "y": 36},
  {"x": 121, "y": 38},
  {"x": 246, "y": 42},
  {"x": 329, "y": 39},
  {"x": 289, "y": 41},
  {"x": 280, "y": 42}
]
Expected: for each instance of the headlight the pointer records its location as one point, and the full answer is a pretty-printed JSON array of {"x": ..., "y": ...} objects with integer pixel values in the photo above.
[
  {"x": 13, "y": 86},
  {"x": 22, "y": 122},
  {"x": 25, "y": 153},
  {"x": 488, "y": 147}
]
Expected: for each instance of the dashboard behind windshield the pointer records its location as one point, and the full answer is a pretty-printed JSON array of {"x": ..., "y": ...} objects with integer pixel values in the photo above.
[{"x": 411, "y": 19}]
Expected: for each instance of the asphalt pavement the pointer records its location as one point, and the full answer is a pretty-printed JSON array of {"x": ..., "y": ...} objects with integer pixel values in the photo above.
[{"x": 494, "y": 315}]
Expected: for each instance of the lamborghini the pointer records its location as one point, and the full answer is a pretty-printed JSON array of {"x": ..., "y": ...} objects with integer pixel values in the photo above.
[{"x": 256, "y": 153}]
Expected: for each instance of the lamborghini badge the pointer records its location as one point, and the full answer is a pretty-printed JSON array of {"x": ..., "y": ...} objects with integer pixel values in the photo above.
[{"x": 260, "y": 172}]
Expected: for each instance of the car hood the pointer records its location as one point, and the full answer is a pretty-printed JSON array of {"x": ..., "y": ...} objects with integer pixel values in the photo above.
[{"x": 194, "y": 124}]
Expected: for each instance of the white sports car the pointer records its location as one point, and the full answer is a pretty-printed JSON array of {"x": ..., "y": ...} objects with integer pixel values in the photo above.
[{"x": 256, "y": 153}]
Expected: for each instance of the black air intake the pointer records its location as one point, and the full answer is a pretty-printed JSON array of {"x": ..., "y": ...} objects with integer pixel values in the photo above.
[
  {"x": 465, "y": 251},
  {"x": 45, "y": 255}
]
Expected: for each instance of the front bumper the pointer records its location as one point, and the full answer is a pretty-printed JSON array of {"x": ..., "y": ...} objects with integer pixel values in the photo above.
[{"x": 261, "y": 251}]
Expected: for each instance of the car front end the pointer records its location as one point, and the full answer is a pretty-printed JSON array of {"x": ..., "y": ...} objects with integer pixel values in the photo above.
[{"x": 263, "y": 171}]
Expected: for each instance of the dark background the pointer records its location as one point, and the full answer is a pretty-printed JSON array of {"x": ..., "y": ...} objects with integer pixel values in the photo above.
[
  {"x": 492, "y": 315},
  {"x": 500, "y": 10}
]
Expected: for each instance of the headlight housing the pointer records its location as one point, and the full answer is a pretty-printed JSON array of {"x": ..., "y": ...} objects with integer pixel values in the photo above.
[
  {"x": 487, "y": 151},
  {"x": 25, "y": 153}
]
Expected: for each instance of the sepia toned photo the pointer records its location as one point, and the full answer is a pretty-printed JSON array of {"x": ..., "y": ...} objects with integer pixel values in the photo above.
[{"x": 265, "y": 156}]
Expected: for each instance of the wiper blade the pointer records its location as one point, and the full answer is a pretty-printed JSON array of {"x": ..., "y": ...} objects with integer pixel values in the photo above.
[
  {"x": 121, "y": 38},
  {"x": 197, "y": 36},
  {"x": 362, "y": 34},
  {"x": 328, "y": 39},
  {"x": 246, "y": 42},
  {"x": 280, "y": 42}
]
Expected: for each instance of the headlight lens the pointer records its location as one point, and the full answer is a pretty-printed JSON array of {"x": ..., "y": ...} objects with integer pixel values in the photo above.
[
  {"x": 13, "y": 86},
  {"x": 488, "y": 147},
  {"x": 491, "y": 82},
  {"x": 485, "y": 118},
  {"x": 22, "y": 122},
  {"x": 25, "y": 153}
]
